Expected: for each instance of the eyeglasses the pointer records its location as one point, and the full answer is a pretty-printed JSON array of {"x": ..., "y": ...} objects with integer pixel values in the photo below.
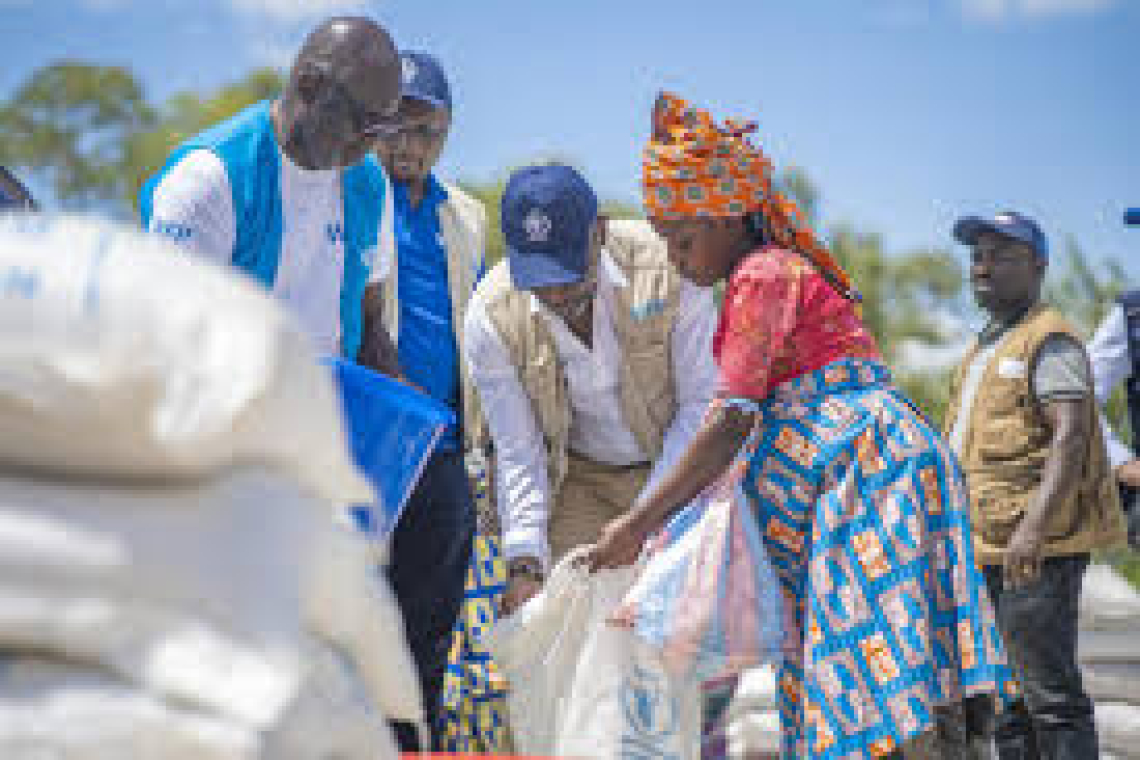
[{"x": 421, "y": 131}]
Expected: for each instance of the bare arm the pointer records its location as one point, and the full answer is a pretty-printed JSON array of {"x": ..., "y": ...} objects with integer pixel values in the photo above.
[
  {"x": 377, "y": 351},
  {"x": 1070, "y": 420}
]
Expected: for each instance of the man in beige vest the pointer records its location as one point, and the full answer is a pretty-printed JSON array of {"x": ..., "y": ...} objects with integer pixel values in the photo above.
[
  {"x": 1023, "y": 421},
  {"x": 593, "y": 361}
]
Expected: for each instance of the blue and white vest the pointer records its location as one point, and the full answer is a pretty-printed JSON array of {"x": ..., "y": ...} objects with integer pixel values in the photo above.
[{"x": 248, "y": 149}]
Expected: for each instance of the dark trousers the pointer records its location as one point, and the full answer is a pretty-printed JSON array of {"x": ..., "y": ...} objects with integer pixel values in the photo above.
[
  {"x": 1053, "y": 720},
  {"x": 431, "y": 549}
]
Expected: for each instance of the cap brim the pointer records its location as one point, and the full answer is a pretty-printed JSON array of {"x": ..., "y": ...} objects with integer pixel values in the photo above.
[
  {"x": 539, "y": 270},
  {"x": 967, "y": 229},
  {"x": 431, "y": 100}
]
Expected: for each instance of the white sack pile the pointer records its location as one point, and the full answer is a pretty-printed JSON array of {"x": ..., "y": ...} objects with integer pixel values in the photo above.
[{"x": 174, "y": 582}]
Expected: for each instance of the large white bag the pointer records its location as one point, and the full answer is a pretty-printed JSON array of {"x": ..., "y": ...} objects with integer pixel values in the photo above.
[
  {"x": 190, "y": 610},
  {"x": 121, "y": 355},
  {"x": 580, "y": 687}
]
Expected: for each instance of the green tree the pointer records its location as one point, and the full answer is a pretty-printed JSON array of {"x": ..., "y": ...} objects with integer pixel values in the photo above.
[
  {"x": 185, "y": 115},
  {"x": 71, "y": 123},
  {"x": 89, "y": 130}
]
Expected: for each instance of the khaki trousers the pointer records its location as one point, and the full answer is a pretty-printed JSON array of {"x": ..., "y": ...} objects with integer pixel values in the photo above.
[{"x": 592, "y": 494}]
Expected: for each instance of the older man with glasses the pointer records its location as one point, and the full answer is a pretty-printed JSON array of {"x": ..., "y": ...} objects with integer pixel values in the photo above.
[{"x": 286, "y": 191}]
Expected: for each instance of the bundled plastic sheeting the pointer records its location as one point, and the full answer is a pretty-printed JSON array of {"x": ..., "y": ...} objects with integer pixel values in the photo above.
[
  {"x": 393, "y": 430},
  {"x": 706, "y": 596}
]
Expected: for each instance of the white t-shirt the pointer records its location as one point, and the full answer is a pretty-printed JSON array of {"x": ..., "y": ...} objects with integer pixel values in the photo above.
[{"x": 193, "y": 205}]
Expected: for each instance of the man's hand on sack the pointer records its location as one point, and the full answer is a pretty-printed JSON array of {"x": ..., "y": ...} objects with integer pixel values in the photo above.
[
  {"x": 1129, "y": 473},
  {"x": 524, "y": 580},
  {"x": 619, "y": 545}
]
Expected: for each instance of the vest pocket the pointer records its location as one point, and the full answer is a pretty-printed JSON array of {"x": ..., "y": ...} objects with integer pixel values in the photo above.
[
  {"x": 1008, "y": 440},
  {"x": 997, "y": 510}
]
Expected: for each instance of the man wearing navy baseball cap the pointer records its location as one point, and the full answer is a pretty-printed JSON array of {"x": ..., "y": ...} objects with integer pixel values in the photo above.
[
  {"x": 593, "y": 360},
  {"x": 440, "y": 235},
  {"x": 1023, "y": 421}
]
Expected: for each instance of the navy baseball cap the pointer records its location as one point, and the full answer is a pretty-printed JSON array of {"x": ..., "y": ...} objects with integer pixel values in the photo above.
[
  {"x": 1132, "y": 217},
  {"x": 422, "y": 78},
  {"x": 1007, "y": 223},
  {"x": 547, "y": 215}
]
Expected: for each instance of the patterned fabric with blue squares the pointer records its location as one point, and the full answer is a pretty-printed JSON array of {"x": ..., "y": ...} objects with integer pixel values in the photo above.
[{"x": 866, "y": 520}]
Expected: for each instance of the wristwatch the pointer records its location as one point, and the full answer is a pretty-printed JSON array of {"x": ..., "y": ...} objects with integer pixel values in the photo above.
[{"x": 525, "y": 567}]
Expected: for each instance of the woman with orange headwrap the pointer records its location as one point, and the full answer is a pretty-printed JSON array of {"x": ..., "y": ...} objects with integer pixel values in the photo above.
[{"x": 860, "y": 502}]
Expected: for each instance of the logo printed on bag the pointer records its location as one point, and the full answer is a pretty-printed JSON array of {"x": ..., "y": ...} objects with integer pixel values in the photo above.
[
  {"x": 650, "y": 716},
  {"x": 19, "y": 282}
]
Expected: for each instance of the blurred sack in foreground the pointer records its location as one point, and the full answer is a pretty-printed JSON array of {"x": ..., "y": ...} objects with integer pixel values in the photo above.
[{"x": 178, "y": 574}]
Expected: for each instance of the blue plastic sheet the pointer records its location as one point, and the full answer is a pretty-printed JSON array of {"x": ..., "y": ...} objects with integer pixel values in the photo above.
[{"x": 393, "y": 430}]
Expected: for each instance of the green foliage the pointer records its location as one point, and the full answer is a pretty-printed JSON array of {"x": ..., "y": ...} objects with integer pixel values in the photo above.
[
  {"x": 187, "y": 114},
  {"x": 90, "y": 132},
  {"x": 72, "y": 122}
]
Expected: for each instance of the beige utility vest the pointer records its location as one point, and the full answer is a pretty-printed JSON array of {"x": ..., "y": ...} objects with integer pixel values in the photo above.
[
  {"x": 644, "y": 313},
  {"x": 1007, "y": 441}
]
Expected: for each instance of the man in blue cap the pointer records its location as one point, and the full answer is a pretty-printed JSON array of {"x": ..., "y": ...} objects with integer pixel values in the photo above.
[
  {"x": 440, "y": 236},
  {"x": 593, "y": 359},
  {"x": 1023, "y": 421},
  {"x": 1115, "y": 355}
]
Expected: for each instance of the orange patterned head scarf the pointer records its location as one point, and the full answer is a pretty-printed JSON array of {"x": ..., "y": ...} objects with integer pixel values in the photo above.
[{"x": 695, "y": 167}]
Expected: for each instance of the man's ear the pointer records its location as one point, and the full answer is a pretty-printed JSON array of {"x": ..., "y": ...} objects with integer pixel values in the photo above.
[{"x": 307, "y": 83}]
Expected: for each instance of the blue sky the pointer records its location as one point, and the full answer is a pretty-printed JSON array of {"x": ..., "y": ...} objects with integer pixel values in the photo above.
[{"x": 906, "y": 113}]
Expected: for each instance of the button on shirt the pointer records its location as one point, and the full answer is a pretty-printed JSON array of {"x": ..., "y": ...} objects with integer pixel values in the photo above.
[
  {"x": 1111, "y": 364},
  {"x": 429, "y": 354},
  {"x": 598, "y": 429},
  {"x": 195, "y": 196}
]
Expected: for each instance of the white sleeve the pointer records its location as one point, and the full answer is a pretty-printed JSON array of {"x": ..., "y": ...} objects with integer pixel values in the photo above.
[
  {"x": 1111, "y": 364},
  {"x": 521, "y": 483},
  {"x": 193, "y": 206},
  {"x": 695, "y": 374},
  {"x": 385, "y": 237},
  {"x": 1108, "y": 352}
]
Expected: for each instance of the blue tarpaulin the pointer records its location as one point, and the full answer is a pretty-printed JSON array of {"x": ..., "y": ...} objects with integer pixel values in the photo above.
[{"x": 393, "y": 430}]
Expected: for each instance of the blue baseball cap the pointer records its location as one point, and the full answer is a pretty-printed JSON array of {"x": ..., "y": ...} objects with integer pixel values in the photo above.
[
  {"x": 422, "y": 78},
  {"x": 1132, "y": 217},
  {"x": 547, "y": 215},
  {"x": 1009, "y": 224}
]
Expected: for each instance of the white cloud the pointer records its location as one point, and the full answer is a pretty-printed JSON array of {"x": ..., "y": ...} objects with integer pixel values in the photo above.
[
  {"x": 998, "y": 10},
  {"x": 297, "y": 10}
]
